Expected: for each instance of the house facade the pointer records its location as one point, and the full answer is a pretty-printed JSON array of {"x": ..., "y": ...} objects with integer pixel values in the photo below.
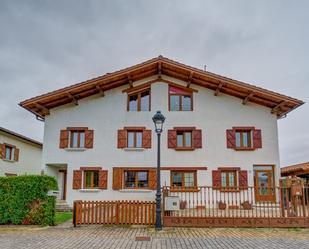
[
  {"x": 19, "y": 154},
  {"x": 99, "y": 139}
]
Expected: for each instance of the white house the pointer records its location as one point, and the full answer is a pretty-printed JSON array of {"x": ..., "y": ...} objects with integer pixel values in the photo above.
[
  {"x": 19, "y": 154},
  {"x": 99, "y": 138}
]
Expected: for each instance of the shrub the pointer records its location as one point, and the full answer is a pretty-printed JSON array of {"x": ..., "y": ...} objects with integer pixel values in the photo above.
[{"x": 24, "y": 200}]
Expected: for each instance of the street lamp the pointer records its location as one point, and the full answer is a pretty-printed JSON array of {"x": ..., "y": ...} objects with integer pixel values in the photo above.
[{"x": 158, "y": 120}]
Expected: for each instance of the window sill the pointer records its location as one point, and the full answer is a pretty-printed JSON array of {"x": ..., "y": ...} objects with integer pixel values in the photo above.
[
  {"x": 7, "y": 160},
  {"x": 244, "y": 149},
  {"x": 229, "y": 190},
  {"x": 75, "y": 149},
  {"x": 89, "y": 190},
  {"x": 135, "y": 190},
  {"x": 184, "y": 149},
  {"x": 134, "y": 149}
]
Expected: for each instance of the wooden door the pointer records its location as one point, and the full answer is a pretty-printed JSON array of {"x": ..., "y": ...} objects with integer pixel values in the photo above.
[{"x": 264, "y": 185}]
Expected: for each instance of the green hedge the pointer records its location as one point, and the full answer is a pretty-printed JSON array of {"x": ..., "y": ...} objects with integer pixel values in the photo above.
[{"x": 24, "y": 200}]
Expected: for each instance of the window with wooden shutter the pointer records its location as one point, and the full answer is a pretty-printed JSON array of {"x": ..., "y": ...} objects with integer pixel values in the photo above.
[
  {"x": 88, "y": 139},
  {"x": 257, "y": 138},
  {"x": 216, "y": 179},
  {"x": 172, "y": 139},
  {"x": 16, "y": 154},
  {"x": 244, "y": 138},
  {"x": 197, "y": 138},
  {"x": 122, "y": 139},
  {"x": 77, "y": 179},
  {"x": 117, "y": 178},
  {"x": 152, "y": 177},
  {"x": 64, "y": 139},
  {"x": 146, "y": 139},
  {"x": 243, "y": 179},
  {"x": 103, "y": 174},
  {"x": 230, "y": 139}
]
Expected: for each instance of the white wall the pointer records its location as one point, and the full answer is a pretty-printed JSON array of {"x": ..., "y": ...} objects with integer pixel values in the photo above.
[
  {"x": 212, "y": 114},
  {"x": 30, "y": 157}
]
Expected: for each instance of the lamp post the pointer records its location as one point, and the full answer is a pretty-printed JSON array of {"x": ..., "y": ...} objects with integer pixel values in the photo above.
[{"x": 158, "y": 120}]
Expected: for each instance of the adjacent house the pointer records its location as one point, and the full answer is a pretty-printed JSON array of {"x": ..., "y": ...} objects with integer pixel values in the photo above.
[
  {"x": 99, "y": 139},
  {"x": 19, "y": 154},
  {"x": 300, "y": 170}
]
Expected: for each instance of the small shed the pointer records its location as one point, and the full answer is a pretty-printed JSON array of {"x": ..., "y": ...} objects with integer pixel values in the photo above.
[{"x": 299, "y": 170}]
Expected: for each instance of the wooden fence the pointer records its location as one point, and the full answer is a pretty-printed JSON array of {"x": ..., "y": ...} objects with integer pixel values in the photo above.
[
  {"x": 114, "y": 212},
  {"x": 241, "y": 207}
]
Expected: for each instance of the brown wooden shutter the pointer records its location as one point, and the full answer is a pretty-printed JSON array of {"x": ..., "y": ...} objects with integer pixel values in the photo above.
[
  {"x": 88, "y": 139},
  {"x": 77, "y": 179},
  {"x": 103, "y": 179},
  {"x": 230, "y": 139},
  {"x": 216, "y": 179},
  {"x": 147, "y": 139},
  {"x": 122, "y": 139},
  {"x": 197, "y": 138},
  {"x": 152, "y": 179},
  {"x": 257, "y": 139},
  {"x": 64, "y": 139},
  {"x": 243, "y": 179},
  {"x": 117, "y": 178},
  {"x": 1, "y": 151},
  {"x": 172, "y": 139},
  {"x": 16, "y": 154}
]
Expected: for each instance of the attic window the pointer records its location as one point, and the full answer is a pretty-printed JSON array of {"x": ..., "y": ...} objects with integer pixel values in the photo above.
[
  {"x": 139, "y": 101},
  {"x": 179, "y": 100}
]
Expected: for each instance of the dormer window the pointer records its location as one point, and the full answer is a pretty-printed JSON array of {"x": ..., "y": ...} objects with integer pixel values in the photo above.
[
  {"x": 139, "y": 101},
  {"x": 179, "y": 99}
]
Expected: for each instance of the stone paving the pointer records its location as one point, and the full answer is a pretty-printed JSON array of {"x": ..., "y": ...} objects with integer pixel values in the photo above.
[{"x": 66, "y": 237}]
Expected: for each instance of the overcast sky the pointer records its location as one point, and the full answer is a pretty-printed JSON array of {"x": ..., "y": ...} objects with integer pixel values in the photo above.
[{"x": 45, "y": 45}]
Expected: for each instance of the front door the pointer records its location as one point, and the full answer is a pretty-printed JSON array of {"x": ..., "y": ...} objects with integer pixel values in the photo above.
[{"x": 264, "y": 184}]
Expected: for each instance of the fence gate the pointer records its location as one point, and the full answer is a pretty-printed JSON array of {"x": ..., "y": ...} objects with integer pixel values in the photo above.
[
  {"x": 214, "y": 207},
  {"x": 114, "y": 212}
]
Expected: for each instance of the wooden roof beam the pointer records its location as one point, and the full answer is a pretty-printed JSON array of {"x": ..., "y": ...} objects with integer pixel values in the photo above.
[
  {"x": 190, "y": 79},
  {"x": 159, "y": 70},
  {"x": 216, "y": 93},
  {"x": 43, "y": 108},
  {"x": 100, "y": 90},
  {"x": 130, "y": 80},
  {"x": 73, "y": 99},
  {"x": 250, "y": 95},
  {"x": 277, "y": 107}
]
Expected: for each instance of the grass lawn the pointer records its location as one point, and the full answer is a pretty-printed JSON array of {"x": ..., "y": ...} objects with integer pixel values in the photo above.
[{"x": 61, "y": 217}]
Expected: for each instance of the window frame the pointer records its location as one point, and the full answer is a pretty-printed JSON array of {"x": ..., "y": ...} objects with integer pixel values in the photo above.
[
  {"x": 136, "y": 178},
  {"x": 183, "y": 188},
  {"x": 187, "y": 94},
  {"x": 235, "y": 176},
  {"x": 92, "y": 178},
  {"x": 182, "y": 133},
  {"x": 139, "y": 100},
  {"x": 249, "y": 141},
  {"x": 79, "y": 131},
  {"x": 11, "y": 148},
  {"x": 134, "y": 138}
]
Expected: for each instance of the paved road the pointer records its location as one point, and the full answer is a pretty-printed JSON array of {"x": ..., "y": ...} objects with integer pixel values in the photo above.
[{"x": 117, "y": 237}]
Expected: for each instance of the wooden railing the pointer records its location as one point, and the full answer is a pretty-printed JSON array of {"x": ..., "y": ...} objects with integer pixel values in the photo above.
[
  {"x": 114, "y": 212},
  {"x": 249, "y": 202}
]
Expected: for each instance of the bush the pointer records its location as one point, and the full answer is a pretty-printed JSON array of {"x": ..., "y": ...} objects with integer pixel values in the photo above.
[{"x": 24, "y": 200}]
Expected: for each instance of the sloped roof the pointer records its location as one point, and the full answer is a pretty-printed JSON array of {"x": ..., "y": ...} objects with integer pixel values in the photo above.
[
  {"x": 278, "y": 103},
  {"x": 295, "y": 169},
  {"x": 22, "y": 137}
]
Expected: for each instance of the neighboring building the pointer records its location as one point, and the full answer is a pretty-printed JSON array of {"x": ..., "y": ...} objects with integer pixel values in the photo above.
[
  {"x": 100, "y": 144},
  {"x": 299, "y": 170},
  {"x": 19, "y": 154}
]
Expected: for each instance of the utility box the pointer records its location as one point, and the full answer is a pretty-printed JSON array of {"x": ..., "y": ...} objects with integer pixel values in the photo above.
[{"x": 171, "y": 203}]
